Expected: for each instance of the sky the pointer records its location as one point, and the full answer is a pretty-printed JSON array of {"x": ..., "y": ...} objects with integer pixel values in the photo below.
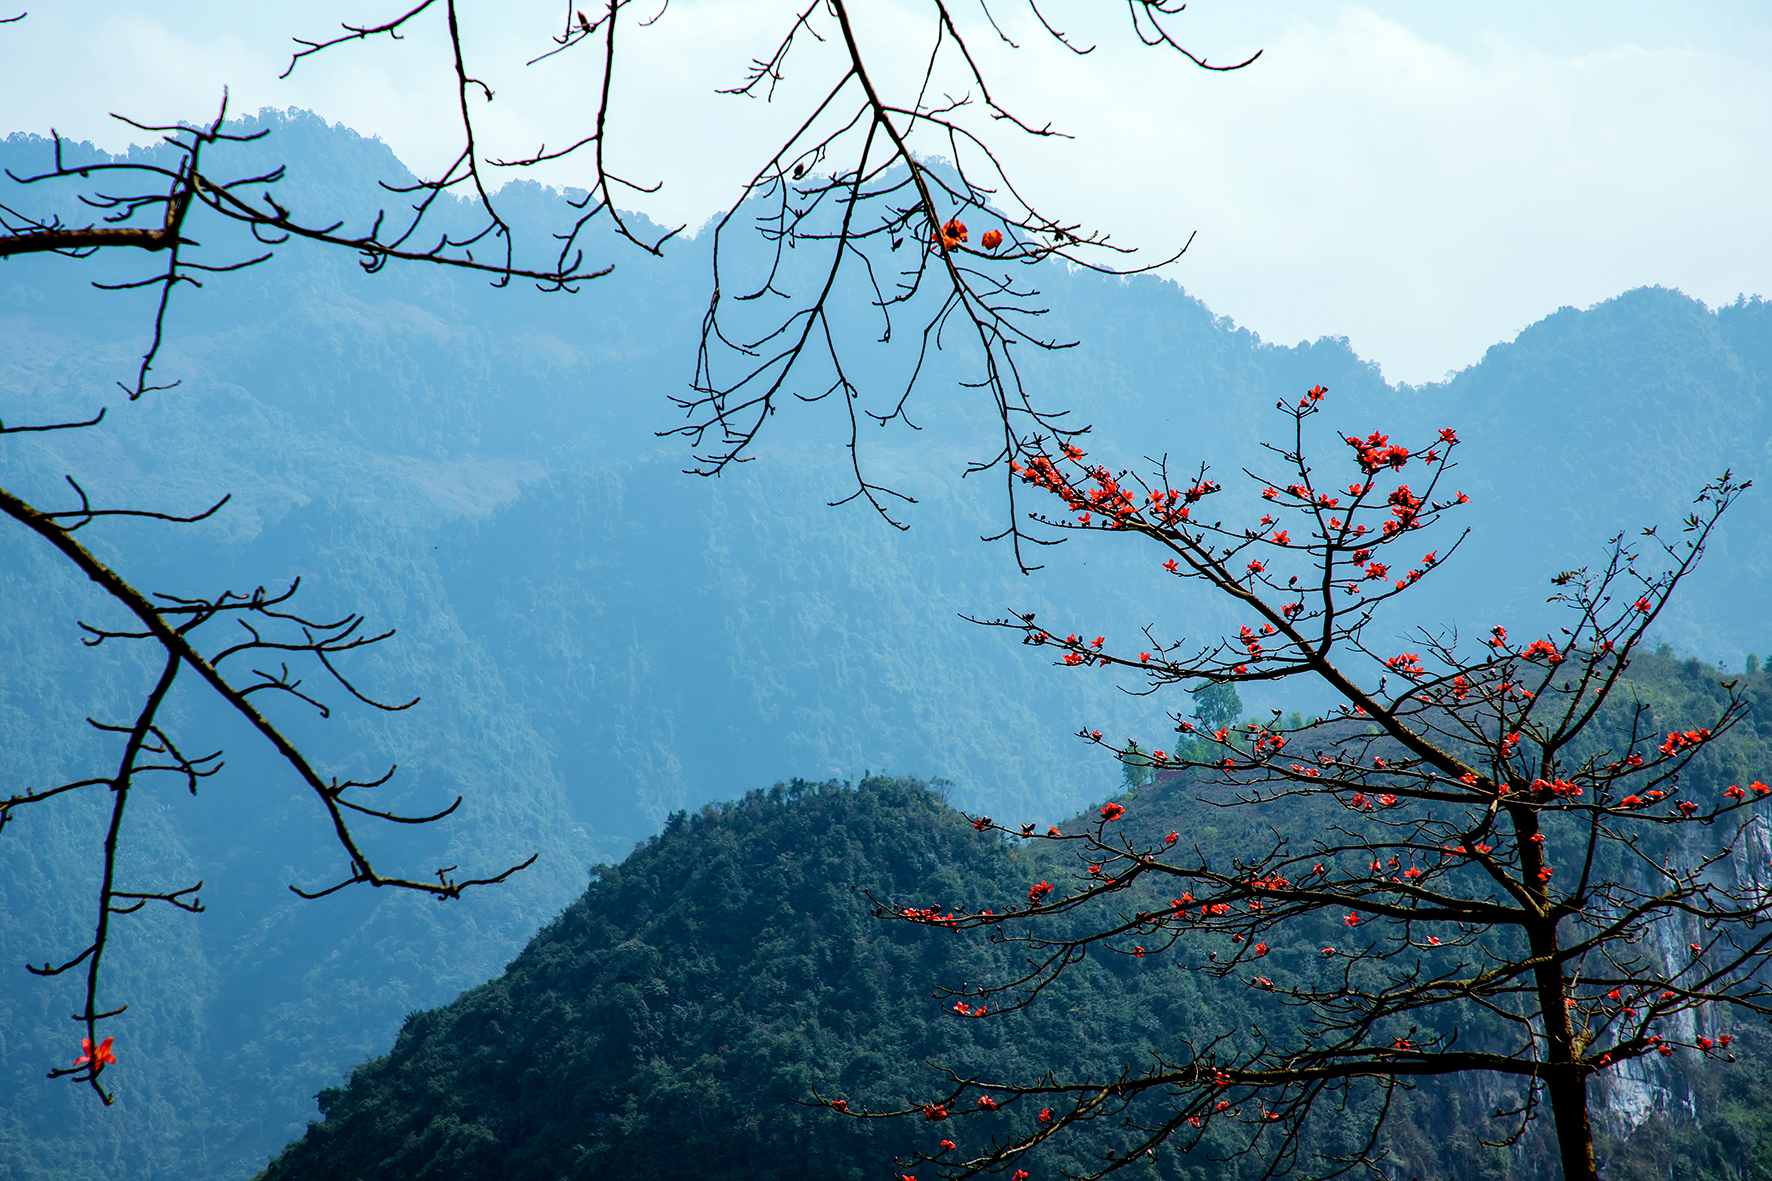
[{"x": 1424, "y": 178}]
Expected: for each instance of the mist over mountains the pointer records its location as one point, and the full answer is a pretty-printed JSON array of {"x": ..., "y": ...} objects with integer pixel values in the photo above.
[{"x": 602, "y": 641}]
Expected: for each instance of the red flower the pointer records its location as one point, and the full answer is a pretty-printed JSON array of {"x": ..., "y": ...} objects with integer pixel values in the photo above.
[
  {"x": 992, "y": 239},
  {"x": 99, "y": 1057},
  {"x": 1037, "y": 893},
  {"x": 947, "y": 1146},
  {"x": 1352, "y": 919},
  {"x": 1112, "y": 812},
  {"x": 839, "y": 1105},
  {"x": 1171, "y": 566},
  {"x": 1019, "y": 1175},
  {"x": 935, "y": 1112},
  {"x": 986, "y": 1103},
  {"x": 1171, "y": 838},
  {"x": 1045, "y": 1115},
  {"x": 1261, "y": 949}
]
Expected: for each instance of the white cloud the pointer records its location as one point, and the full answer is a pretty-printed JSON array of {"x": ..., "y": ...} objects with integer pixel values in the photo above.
[{"x": 1425, "y": 180}]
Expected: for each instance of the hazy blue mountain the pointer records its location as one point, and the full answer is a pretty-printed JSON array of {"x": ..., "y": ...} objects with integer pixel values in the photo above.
[{"x": 601, "y": 640}]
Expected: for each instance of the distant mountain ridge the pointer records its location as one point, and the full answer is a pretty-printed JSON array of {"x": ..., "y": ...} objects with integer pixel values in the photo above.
[{"x": 601, "y": 641}]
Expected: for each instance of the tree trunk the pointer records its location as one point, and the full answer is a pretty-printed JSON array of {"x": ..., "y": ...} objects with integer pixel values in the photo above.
[
  {"x": 1563, "y": 1074},
  {"x": 1568, "y": 1096}
]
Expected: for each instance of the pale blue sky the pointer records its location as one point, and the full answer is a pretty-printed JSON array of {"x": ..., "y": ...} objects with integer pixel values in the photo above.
[{"x": 1425, "y": 178}]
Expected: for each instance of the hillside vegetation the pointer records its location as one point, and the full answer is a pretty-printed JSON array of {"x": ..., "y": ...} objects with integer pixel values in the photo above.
[{"x": 684, "y": 1018}]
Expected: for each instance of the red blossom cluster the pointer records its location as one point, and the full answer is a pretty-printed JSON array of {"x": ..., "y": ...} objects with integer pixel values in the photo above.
[
  {"x": 1681, "y": 739},
  {"x": 950, "y": 236},
  {"x": 1407, "y": 663},
  {"x": 1405, "y": 507},
  {"x": 1376, "y": 452},
  {"x": 1107, "y": 498},
  {"x": 1267, "y": 740},
  {"x": 1251, "y": 640},
  {"x": 1542, "y": 648}
]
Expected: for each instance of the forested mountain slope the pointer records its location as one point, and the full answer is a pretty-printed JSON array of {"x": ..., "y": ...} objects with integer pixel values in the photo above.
[
  {"x": 686, "y": 1015},
  {"x": 601, "y": 641}
]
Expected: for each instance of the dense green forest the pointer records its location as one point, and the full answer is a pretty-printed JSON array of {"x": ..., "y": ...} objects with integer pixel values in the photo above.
[
  {"x": 602, "y": 643},
  {"x": 685, "y": 1016}
]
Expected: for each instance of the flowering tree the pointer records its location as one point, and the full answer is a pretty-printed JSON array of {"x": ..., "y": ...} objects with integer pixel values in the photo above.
[{"x": 1482, "y": 861}]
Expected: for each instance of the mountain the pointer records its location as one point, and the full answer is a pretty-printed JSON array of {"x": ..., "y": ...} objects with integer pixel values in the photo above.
[
  {"x": 601, "y": 642},
  {"x": 690, "y": 1013}
]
